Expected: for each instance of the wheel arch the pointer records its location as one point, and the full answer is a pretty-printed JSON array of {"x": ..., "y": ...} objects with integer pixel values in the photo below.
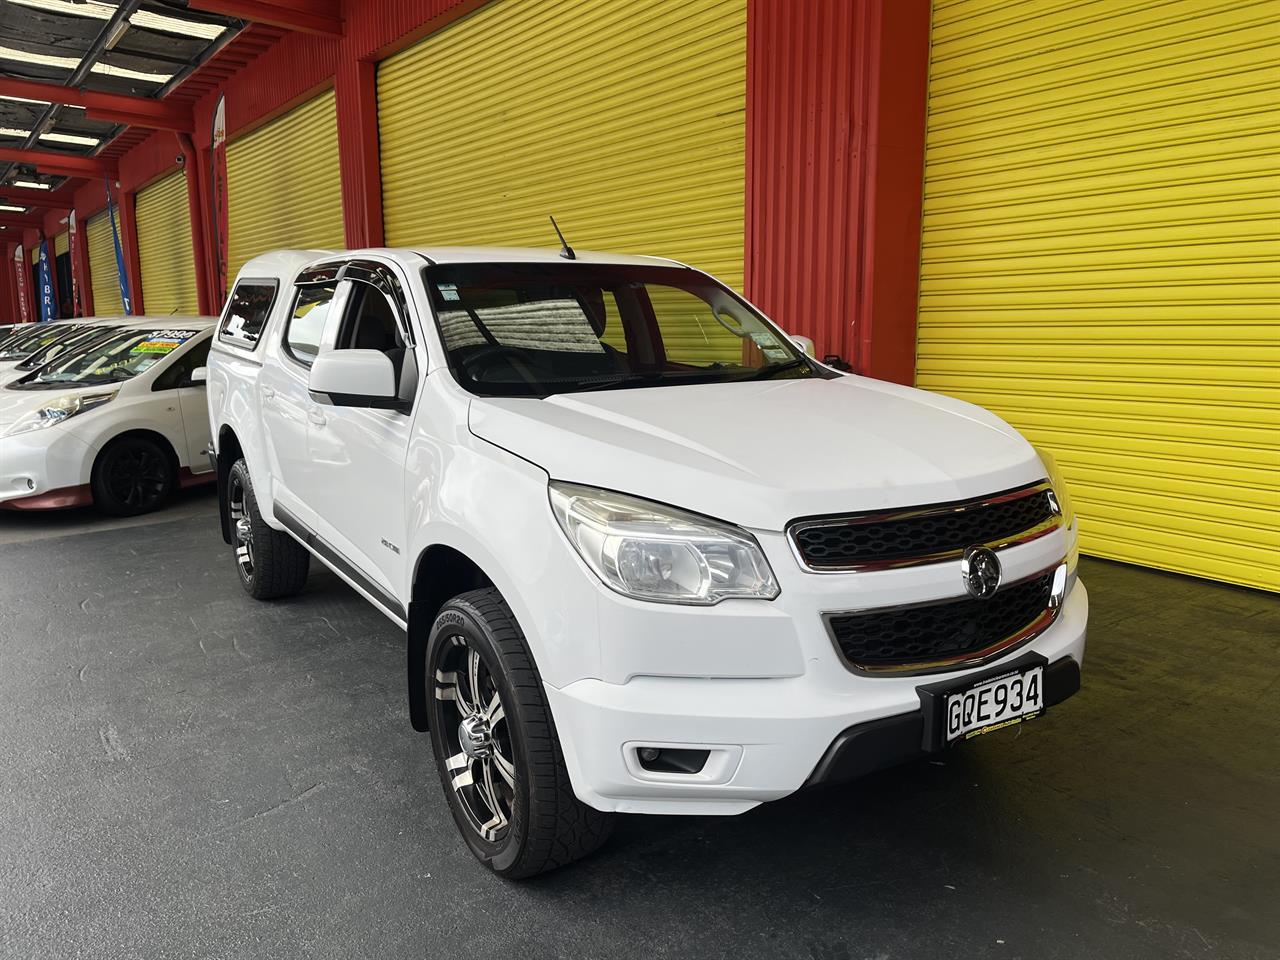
[
  {"x": 163, "y": 442},
  {"x": 229, "y": 451},
  {"x": 440, "y": 573}
]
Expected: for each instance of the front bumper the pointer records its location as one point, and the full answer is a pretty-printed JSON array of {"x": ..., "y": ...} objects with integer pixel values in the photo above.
[
  {"x": 765, "y": 737},
  {"x": 44, "y": 469}
]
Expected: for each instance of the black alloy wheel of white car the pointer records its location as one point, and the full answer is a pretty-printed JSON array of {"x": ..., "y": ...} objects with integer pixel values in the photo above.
[
  {"x": 271, "y": 564},
  {"x": 132, "y": 475},
  {"x": 496, "y": 747}
]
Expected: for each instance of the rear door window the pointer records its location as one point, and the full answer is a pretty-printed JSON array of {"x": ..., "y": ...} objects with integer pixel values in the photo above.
[{"x": 246, "y": 312}]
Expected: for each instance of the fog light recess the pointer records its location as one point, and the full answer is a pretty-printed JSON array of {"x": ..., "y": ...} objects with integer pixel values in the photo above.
[{"x": 672, "y": 760}]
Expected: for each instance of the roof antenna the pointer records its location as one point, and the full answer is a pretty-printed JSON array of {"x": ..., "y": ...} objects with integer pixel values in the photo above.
[{"x": 566, "y": 251}]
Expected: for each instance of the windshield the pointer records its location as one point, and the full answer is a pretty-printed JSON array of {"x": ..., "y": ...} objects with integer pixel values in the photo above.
[
  {"x": 25, "y": 342},
  {"x": 535, "y": 329},
  {"x": 120, "y": 357},
  {"x": 75, "y": 338}
]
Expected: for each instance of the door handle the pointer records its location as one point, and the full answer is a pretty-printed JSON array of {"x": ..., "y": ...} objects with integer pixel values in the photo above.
[
  {"x": 316, "y": 417},
  {"x": 268, "y": 393}
]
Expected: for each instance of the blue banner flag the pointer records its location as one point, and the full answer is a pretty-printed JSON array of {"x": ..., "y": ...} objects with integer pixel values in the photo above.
[
  {"x": 125, "y": 298},
  {"x": 48, "y": 305}
]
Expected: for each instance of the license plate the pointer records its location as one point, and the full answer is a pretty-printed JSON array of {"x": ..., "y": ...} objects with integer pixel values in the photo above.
[{"x": 992, "y": 704}]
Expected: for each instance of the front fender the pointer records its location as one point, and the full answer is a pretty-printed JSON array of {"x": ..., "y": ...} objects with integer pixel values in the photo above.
[{"x": 492, "y": 507}]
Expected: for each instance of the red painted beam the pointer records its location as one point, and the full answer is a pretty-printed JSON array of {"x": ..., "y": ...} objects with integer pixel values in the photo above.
[
  {"x": 46, "y": 199},
  {"x": 64, "y": 164},
  {"x": 319, "y": 17},
  {"x": 111, "y": 107}
]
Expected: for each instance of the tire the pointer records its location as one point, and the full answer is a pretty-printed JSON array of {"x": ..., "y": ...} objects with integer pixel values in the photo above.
[
  {"x": 269, "y": 562},
  {"x": 132, "y": 475},
  {"x": 515, "y": 807}
]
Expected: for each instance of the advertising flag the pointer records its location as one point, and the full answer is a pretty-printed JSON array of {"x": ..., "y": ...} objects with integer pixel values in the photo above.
[
  {"x": 48, "y": 303},
  {"x": 20, "y": 269},
  {"x": 218, "y": 182},
  {"x": 125, "y": 298}
]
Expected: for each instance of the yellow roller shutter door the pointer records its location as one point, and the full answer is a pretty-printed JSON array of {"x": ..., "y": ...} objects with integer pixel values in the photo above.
[
  {"x": 104, "y": 279},
  {"x": 165, "y": 248},
  {"x": 625, "y": 119},
  {"x": 1101, "y": 261},
  {"x": 61, "y": 244},
  {"x": 283, "y": 185}
]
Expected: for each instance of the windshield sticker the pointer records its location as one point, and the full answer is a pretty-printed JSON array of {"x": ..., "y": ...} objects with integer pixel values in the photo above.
[
  {"x": 448, "y": 291},
  {"x": 157, "y": 346}
]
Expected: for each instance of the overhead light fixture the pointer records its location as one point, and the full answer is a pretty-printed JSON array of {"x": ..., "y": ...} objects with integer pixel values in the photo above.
[
  {"x": 71, "y": 138},
  {"x": 147, "y": 21},
  {"x": 39, "y": 103},
  {"x": 10, "y": 208},
  {"x": 33, "y": 184}
]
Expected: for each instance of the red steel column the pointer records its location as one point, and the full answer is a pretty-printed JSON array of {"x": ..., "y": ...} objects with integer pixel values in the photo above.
[
  {"x": 127, "y": 211},
  {"x": 835, "y": 148},
  {"x": 193, "y": 171},
  {"x": 8, "y": 288},
  {"x": 356, "y": 103},
  {"x": 80, "y": 264}
]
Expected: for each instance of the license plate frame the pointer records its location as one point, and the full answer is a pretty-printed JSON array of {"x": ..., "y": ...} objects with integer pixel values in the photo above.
[{"x": 934, "y": 698}]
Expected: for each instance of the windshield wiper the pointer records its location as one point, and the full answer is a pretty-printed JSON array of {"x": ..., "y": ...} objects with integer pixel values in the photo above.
[
  {"x": 591, "y": 385},
  {"x": 764, "y": 373}
]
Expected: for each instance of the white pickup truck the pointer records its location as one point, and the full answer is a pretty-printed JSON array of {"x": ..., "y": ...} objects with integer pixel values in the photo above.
[{"x": 649, "y": 556}]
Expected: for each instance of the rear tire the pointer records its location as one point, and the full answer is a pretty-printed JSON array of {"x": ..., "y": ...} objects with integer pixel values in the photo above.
[
  {"x": 513, "y": 803},
  {"x": 269, "y": 562},
  {"x": 132, "y": 475}
]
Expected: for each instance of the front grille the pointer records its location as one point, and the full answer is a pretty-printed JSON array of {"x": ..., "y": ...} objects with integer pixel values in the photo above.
[
  {"x": 902, "y": 638},
  {"x": 924, "y": 534}
]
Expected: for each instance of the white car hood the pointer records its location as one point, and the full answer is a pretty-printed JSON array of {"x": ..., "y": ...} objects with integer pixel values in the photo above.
[{"x": 763, "y": 454}]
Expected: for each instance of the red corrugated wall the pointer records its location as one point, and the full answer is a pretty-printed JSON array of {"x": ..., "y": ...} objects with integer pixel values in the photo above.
[{"x": 835, "y": 147}]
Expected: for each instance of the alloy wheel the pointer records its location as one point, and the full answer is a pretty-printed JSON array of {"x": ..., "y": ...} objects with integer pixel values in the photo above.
[
  {"x": 477, "y": 737},
  {"x": 241, "y": 527},
  {"x": 137, "y": 476}
]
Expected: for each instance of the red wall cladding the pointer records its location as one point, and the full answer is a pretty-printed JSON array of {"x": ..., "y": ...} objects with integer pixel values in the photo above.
[{"x": 835, "y": 146}]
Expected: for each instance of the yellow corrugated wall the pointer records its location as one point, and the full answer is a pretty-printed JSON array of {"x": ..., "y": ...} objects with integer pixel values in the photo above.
[
  {"x": 1101, "y": 261},
  {"x": 624, "y": 118},
  {"x": 104, "y": 279},
  {"x": 165, "y": 248},
  {"x": 283, "y": 184},
  {"x": 61, "y": 244}
]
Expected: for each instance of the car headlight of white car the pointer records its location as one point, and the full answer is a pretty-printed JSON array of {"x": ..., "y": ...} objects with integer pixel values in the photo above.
[
  {"x": 58, "y": 410},
  {"x": 1060, "y": 491},
  {"x": 654, "y": 552}
]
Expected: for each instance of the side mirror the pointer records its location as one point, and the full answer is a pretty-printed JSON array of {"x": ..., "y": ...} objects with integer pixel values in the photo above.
[
  {"x": 198, "y": 376},
  {"x": 804, "y": 343},
  {"x": 354, "y": 378}
]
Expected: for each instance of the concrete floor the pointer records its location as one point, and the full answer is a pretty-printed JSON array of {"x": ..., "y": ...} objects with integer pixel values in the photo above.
[{"x": 187, "y": 773}]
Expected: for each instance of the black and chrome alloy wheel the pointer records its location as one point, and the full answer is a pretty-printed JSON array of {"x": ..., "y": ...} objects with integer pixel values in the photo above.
[
  {"x": 480, "y": 759},
  {"x": 241, "y": 526}
]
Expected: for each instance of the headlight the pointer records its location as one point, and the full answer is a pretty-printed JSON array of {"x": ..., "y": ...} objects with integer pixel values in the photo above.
[
  {"x": 1059, "y": 486},
  {"x": 59, "y": 410},
  {"x": 1063, "y": 497},
  {"x": 652, "y": 552}
]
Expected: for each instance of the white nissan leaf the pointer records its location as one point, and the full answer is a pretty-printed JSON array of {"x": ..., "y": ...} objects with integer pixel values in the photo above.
[{"x": 118, "y": 422}]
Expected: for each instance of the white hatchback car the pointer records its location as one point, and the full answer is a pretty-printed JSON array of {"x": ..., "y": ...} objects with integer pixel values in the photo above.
[{"x": 117, "y": 421}]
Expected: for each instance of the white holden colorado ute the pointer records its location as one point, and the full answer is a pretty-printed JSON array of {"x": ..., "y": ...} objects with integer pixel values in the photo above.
[{"x": 649, "y": 556}]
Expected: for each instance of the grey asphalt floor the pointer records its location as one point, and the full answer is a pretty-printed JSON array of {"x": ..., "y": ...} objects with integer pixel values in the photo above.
[{"x": 187, "y": 773}]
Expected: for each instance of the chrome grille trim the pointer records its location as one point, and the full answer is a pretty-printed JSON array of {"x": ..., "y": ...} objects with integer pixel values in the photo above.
[
  {"x": 1054, "y": 522},
  {"x": 975, "y": 658}
]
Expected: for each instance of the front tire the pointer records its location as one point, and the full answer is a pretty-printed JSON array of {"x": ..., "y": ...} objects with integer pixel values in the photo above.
[
  {"x": 269, "y": 562},
  {"x": 496, "y": 747},
  {"x": 133, "y": 475}
]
